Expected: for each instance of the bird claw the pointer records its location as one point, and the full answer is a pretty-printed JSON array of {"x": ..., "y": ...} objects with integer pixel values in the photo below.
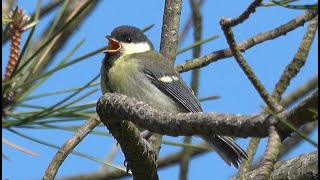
[
  {"x": 146, "y": 134},
  {"x": 149, "y": 150}
]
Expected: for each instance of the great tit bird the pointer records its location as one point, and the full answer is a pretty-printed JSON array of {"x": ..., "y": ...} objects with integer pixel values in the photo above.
[{"x": 132, "y": 67}]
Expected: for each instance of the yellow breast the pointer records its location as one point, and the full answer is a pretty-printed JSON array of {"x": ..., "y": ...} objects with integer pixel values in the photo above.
[{"x": 122, "y": 75}]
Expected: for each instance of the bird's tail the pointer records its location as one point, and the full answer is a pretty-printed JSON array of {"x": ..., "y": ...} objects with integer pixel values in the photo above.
[{"x": 227, "y": 149}]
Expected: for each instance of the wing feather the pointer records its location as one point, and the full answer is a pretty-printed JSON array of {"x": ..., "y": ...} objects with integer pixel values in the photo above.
[{"x": 177, "y": 89}]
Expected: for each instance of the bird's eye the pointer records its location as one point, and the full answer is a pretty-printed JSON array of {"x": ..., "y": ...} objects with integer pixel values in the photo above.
[{"x": 128, "y": 40}]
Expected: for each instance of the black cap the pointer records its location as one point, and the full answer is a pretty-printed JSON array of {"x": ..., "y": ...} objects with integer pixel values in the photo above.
[{"x": 130, "y": 34}]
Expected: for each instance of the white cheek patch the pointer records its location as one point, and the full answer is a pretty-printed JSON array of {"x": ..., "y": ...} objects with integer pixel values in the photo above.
[
  {"x": 132, "y": 48},
  {"x": 168, "y": 79}
]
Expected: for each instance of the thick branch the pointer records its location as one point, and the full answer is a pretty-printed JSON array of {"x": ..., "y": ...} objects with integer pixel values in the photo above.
[
  {"x": 187, "y": 124},
  {"x": 170, "y": 29},
  {"x": 302, "y": 167},
  {"x": 302, "y": 113},
  {"x": 139, "y": 159}
]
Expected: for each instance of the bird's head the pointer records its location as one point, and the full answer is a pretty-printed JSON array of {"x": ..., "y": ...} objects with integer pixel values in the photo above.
[{"x": 128, "y": 40}]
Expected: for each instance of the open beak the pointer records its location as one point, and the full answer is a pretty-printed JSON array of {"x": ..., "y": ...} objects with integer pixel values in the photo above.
[{"x": 113, "y": 47}]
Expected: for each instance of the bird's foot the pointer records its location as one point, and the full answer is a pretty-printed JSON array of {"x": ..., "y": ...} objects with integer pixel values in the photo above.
[
  {"x": 149, "y": 150},
  {"x": 146, "y": 134}
]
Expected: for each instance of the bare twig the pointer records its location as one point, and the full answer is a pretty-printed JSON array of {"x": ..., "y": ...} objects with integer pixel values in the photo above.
[
  {"x": 251, "y": 151},
  {"x": 274, "y": 141},
  {"x": 298, "y": 60},
  {"x": 301, "y": 92},
  {"x": 291, "y": 142},
  {"x": 272, "y": 152},
  {"x": 244, "y": 16},
  {"x": 272, "y": 104},
  {"x": 187, "y": 26},
  {"x": 68, "y": 146},
  {"x": 247, "y": 44},
  {"x": 270, "y": 156}
]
